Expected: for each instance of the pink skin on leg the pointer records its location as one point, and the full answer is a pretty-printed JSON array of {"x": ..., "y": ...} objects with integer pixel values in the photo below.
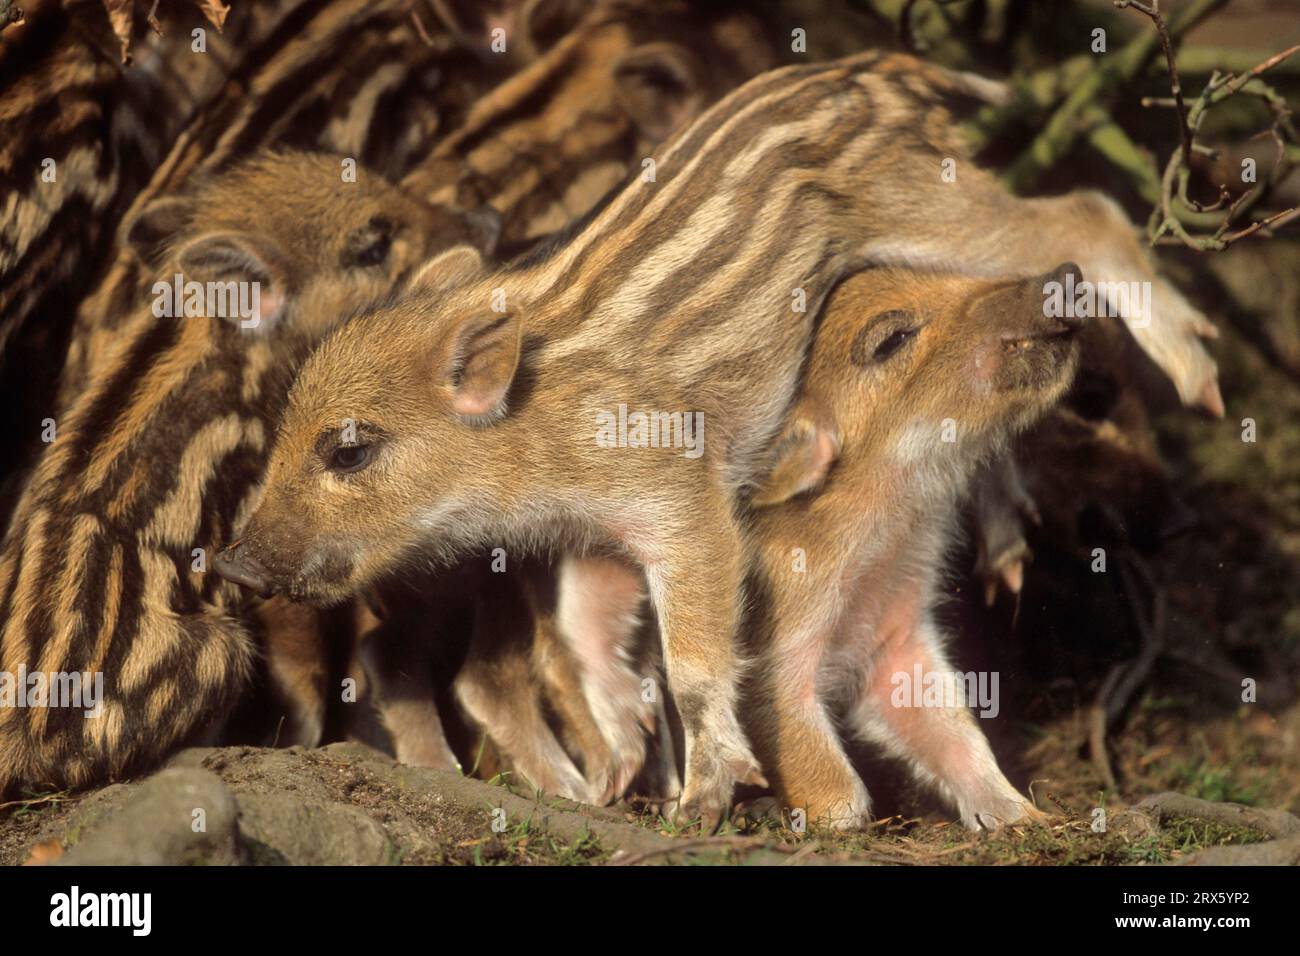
[
  {"x": 598, "y": 611},
  {"x": 943, "y": 745}
]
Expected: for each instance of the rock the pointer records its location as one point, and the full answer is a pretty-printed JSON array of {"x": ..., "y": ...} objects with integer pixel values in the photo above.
[
  {"x": 1134, "y": 824},
  {"x": 176, "y": 817},
  {"x": 284, "y": 829},
  {"x": 1273, "y": 853}
]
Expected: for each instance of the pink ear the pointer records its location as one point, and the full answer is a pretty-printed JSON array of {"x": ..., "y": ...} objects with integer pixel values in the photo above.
[
  {"x": 240, "y": 257},
  {"x": 804, "y": 454},
  {"x": 484, "y": 357}
]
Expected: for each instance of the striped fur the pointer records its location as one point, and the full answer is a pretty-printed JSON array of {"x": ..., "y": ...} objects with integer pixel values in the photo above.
[
  {"x": 678, "y": 296},
  {"x": 358, "y": 77},
  {"x": 546, "y": 145},
  {"x": 543, "y": 149},
  {"x": 351, "y": 77},
  {"x": 161, "y": 454},
  {"x": 63, "y": 96}
]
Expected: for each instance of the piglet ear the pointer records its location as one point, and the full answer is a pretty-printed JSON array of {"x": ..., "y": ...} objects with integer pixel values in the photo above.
[
  {"x": 223, "y": 257},
  {"x": 803, "y": 455},
  {"x": 448, "y": 269},
  {"x": 480, "y": 364}
]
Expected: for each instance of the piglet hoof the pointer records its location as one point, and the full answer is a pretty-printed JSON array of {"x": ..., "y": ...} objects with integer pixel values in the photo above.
[
  {"x": 422, "y": 750},
  {"x": 706, "y": 815},
  {"x": 1002, "y": 511},
  {"x": 1210, "y": 399},
  {"x": 564, "y": 782},
  {"x": 1001, "y": 812},
  {"x": 627, "y": 752},
  {"x": 601, "y": 788},
  {"x": 625, "y": 772},
  {"x": 707, "y": 796},
  {"x": 611, "y": 782},
  {"x": 698, "y": 807},
  {"x": 1179, "y": 352}
]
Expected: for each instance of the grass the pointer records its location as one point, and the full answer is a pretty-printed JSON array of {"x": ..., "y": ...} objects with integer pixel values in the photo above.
[
  {"x": 35, "y": 802},
  {"x": 523, "y": 843},
  {"x": 902, "y": 841},
  {"x": 1221, "y": 784}
]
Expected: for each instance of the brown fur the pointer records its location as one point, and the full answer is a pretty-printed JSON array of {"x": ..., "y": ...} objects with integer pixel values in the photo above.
[
  {"x": 543, "y": 149},
  {"x": 849, "y": 575},
  {"x": 162, "y": 454},
  {"x": 325, "y": 85},
  {"x": 546, "y": 145},
  {"x": 478, "y": 424},
  {"x": 67, "y": 98}
]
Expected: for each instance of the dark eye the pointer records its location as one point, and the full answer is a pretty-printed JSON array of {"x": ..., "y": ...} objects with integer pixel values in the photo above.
[
  {"x": 369, "y": 245},
  {"x": 882, "y": 337},
  {"x": 892, "y": 343},
  {"x": 349, "y": 458}
]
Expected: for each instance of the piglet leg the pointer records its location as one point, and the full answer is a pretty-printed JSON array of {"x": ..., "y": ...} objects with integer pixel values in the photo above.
[
  {"x": 941, "y": 743},
  {"x": 796, "y": 741},
  {"x": 598, "y": 613}
]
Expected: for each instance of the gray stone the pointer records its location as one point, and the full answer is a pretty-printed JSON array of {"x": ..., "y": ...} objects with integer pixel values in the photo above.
[
  {"x": 284, "y": 829},
  {"x": 176, "y": 817}
]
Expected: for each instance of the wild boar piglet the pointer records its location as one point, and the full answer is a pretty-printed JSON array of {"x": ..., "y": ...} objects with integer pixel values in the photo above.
[
  {"x": 915, "y": 381},
  {"x": 158, "y": 455},
  {"x": 562, "y": 402}
]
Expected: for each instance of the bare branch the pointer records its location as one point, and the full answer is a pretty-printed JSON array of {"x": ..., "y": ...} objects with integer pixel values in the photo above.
[
  {"x": 1170, "y": 220},
  {"x": 1176, "y": 86}
]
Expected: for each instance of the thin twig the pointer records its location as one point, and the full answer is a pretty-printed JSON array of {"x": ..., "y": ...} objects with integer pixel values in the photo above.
[
  {"x": 1272, "y": 222},
  {"x": 1176, "y": 86},
  {"x": 419, "y": 28},
  {"x": 59, "y": 797},
  {"x": 1167, "y": 224}
]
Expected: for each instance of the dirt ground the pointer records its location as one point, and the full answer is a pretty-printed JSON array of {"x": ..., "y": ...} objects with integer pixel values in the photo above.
[{"x": 348, "y": 804}]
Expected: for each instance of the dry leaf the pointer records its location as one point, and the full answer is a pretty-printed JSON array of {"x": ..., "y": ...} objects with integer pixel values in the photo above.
[
  {"x": 44, "y": 853},
  {"x": 215, "y": 11},
  {"x": 120, "y": 13}
]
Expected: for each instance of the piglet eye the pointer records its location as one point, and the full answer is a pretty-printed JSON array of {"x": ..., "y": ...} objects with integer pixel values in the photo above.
[
  {"x": 369, "y": 245},
  {"x": 349, "y": 458},
  {"x": 883, "y": 336},
  {"x": 892, "y": 343}
]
